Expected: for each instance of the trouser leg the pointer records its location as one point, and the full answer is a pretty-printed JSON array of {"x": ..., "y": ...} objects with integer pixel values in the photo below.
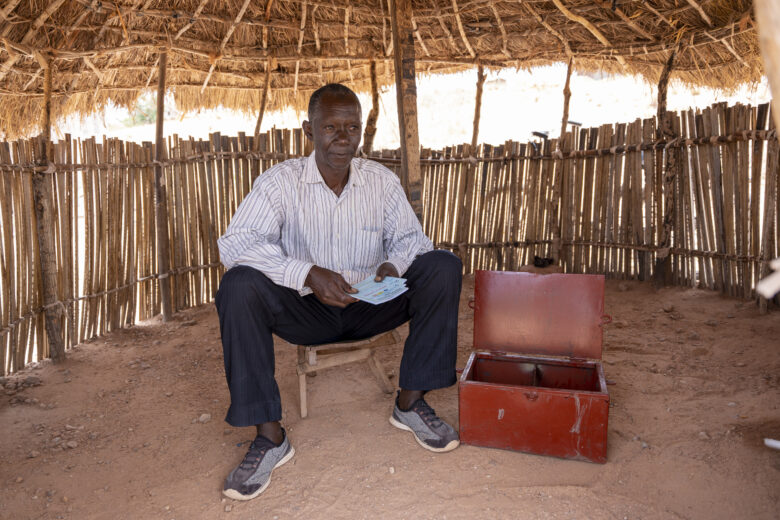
[
  {"x": 251, "y": 307},
  {"x": 431, "y": 307}
]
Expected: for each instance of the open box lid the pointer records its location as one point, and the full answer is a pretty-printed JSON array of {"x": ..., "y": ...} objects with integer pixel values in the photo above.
[{"x": 549, "y": 314}]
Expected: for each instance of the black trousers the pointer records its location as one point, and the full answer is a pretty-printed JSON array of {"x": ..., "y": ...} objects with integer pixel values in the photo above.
[{"x": 251, "y": 308}]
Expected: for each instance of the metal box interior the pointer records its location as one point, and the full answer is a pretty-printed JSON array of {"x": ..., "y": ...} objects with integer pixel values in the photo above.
[{"x": 536, "y": 384}]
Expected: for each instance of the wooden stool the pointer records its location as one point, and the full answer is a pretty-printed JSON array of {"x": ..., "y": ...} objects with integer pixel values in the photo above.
[{"x": 312, "y": 358}]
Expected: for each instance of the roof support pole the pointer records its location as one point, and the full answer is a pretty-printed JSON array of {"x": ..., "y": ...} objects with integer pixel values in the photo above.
[
  {"x": 44, "y": 216},
  {"x": 406, "y": 88},
  {"x": 767, "y": 17},
  {"x": 477, "y": 107},
  {"x": 264, "y": 101},
  {"x": 670, "y": 164},
  {"x": 370, "y": 132},
  {"x": 160, "y": 198},
  {"x": 557, "y": 244},
  {"x": 466, "y": 183}
]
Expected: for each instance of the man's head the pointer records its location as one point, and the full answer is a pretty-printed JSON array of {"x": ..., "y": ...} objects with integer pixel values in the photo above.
[
  {"x": 330, "y": 90},
  {"x": 334, "y": 126}
]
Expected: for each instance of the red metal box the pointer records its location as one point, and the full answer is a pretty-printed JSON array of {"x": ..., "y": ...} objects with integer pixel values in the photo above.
[{"x": 535, "y": 382}]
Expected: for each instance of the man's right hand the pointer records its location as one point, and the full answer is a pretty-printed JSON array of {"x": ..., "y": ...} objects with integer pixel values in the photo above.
[{"x": 330, "y": 287}]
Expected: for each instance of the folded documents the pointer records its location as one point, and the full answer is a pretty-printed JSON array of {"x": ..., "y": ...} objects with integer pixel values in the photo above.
[{"x": 379, "y": 292}]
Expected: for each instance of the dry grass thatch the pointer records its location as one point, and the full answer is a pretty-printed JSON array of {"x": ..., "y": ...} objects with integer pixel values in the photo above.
[{"x": 218, "y": 51}]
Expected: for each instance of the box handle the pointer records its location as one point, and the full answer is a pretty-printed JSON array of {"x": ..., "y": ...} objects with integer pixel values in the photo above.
[
  {"x": 606, "y": 319},
  {"x": 531, "y": 396}
]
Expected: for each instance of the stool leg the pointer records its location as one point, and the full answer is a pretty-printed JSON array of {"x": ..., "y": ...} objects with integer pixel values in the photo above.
[
  {"x": 381, "y": 376},
  {"x": 302, "y": 392},
  {"x": 302, "y": 381}
]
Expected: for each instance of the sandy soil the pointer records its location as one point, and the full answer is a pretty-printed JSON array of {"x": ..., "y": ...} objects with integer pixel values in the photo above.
[{"x": 114, "y": 432}]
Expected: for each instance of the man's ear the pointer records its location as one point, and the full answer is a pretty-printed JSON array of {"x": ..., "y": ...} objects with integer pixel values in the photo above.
[{"x": 306, "y": 126}]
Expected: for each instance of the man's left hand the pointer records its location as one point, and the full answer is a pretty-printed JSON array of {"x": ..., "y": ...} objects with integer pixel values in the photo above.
[{"x": 386, "y": 269}]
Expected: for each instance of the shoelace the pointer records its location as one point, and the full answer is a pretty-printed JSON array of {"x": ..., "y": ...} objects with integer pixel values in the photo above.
[
  {"x": 254, "y": 455},
  {"x": 427, "y": 414}
]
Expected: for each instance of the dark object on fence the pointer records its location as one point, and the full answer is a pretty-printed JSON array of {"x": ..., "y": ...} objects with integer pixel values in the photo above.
[
  {"x": 511, "y": 394},
  {"x": 543, "y": 135},
  {"x": 542, "y": 262}
]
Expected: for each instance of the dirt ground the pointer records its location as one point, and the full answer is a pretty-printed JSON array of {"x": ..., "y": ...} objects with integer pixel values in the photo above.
[{"x": 115, "y": 431}]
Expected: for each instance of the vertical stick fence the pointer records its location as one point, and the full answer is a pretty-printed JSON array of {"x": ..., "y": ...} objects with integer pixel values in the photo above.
[{"x": 724, "y": 228}]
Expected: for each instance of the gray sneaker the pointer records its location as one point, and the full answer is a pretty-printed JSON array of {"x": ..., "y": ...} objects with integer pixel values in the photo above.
[
  {"x": 253, "y": 475},
  {"x": 429, "y": 430}
]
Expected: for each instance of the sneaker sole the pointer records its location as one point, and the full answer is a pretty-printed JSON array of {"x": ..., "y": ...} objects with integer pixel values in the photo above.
[
  {"x": 235, "y": 495},
  {"x": 401, "y": 426}
]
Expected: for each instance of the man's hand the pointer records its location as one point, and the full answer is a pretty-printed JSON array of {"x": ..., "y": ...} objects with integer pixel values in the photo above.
[
  {"x": 386, "y": 269},
  {"x": 330, "y": 287}
]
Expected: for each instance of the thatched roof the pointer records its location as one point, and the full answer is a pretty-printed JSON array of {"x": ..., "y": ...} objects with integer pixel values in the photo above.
[{"x": 218, "y": 51}]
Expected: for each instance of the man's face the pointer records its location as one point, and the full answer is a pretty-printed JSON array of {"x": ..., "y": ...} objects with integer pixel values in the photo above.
[{"x": 335, "y": 130}]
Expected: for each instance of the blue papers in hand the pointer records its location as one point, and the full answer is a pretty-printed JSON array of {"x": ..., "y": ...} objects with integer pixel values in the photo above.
[{"x": 379, "y": 292}]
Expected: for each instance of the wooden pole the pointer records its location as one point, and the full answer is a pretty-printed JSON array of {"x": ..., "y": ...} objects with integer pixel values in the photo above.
[
  {"x": 466, "y": 184},
  {"x": 160, "y": 200},
  {"x": 663, "y": 263},
  {"x": 368, "y": 135},
  {"x": 44, "y": 213},
  {"x": 557, "y": 244},
  {"x": 477, "y": 107},
  {"x": 264, "y": 101},
  {"x": 406, "y": 88}
]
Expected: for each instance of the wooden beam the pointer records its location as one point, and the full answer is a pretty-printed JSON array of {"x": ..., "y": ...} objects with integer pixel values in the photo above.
[
  {"x": 589, "y": 26},
  {"x": 663, "y": 264},
  {"x": 501, "y": 28},
  {"x": 406, "y": 88},
  {"x": 224, "y": 42},
  {"x": 701, "y": 12},
  {"x": 552, "y": 30},
  {"x": 610, "y": 6},
  {"x": 44, "y": 216},
  {"x": 160, "y": 198},
  {"x": 10, "y": 6},
  {"x": 36, "y": 25},
  {"x": 178, "y": 35},
  {"x": 460, "y": 29},
  {"x": 370, "y": 132},
  {"x": 419, "y": 38}
]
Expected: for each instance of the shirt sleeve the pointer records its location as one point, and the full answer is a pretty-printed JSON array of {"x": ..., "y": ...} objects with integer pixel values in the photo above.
[
  {"x": 403, "y": 235},
  {"x": 253, "y": 238}
]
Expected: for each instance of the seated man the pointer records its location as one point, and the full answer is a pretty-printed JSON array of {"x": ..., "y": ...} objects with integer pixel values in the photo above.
[{"x": 309, "y": 228}]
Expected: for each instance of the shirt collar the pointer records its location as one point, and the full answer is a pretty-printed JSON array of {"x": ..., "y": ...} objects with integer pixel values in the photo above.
[{"x": 311, "y": 174}]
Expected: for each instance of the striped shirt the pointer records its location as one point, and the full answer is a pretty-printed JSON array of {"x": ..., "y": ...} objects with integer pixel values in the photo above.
[{"x": 291, "y": 221}]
